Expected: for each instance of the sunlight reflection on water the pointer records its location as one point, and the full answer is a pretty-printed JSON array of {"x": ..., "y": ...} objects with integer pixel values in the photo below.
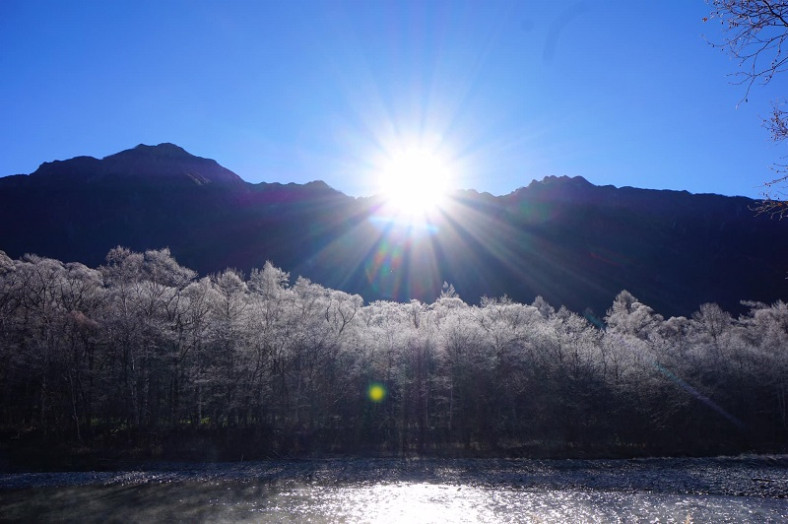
[
  {"x": 431, "y": 503},
  {"x": 738, "y": 489}
]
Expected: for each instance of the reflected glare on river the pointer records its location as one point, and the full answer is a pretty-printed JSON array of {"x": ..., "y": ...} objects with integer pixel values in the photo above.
[
  {"x": 379, "y": 491},
  {"x": 386, "y": 503},
  {"x": 431, "y": 503},
  {"x": 376, "y": 504}
]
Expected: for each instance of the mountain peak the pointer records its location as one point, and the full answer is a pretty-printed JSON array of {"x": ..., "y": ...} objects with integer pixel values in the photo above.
[
  {"x": 165, "y": 149},
  {"x": 168, "y": 161},
  {"x": 559, "y": 188},
  {"x": 567, "y": 181},
  {"x": 155, "y": 164}
]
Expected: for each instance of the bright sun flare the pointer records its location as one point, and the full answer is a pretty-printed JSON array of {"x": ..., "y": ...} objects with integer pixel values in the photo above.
[{"x": 415, "y": 182}]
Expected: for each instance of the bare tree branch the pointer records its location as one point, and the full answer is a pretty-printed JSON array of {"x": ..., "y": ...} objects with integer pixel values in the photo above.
[{"x": 755, "y": 34}]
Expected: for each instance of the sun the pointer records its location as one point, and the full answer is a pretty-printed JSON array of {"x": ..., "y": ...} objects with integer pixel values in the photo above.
[{"x": 414, "y": 182}]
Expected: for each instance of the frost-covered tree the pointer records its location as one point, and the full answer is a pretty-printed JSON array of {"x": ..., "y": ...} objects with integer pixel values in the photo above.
[{"x": 140, "y": 349}]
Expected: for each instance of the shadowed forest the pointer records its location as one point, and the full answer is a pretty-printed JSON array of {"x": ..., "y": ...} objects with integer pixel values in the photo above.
[{"x": 140, "y": 357}]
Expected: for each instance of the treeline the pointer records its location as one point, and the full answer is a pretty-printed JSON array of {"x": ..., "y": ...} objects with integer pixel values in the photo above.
[{"x": 141, "y": 352}]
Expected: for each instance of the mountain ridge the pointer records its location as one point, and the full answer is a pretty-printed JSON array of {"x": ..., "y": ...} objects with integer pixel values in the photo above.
[
  {"x": 168, "y": 150},
  {"x": 573, "y": 242}
]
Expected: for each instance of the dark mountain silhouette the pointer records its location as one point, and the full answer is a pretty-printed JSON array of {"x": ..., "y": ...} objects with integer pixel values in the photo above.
[{"x": 574, "y": 243}]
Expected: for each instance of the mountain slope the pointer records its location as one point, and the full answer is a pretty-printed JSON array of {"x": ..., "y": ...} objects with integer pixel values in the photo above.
[
  {"x": 572, "y": 242},
  {"x": 149, "y": 197}
]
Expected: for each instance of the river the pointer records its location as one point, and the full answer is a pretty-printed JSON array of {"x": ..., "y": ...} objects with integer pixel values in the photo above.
[{"x": 723, "y": 489}]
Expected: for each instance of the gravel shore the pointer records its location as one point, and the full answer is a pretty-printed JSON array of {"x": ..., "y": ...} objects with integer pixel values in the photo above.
[{"x": 760, "y": 476}]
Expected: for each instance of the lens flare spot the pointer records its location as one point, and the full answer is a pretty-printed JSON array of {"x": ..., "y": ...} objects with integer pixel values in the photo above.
[{"x": 376, "y": 393}]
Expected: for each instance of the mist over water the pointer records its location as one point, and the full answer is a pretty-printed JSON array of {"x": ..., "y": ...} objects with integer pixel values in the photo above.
[{"x": 741, "y": 489}]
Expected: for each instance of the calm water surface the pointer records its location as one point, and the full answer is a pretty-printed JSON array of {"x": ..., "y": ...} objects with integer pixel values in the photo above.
[{"x": 744, "y": 489}]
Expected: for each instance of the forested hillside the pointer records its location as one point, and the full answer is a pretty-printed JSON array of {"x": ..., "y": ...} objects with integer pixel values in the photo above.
[{"x": 143, "y": 356}]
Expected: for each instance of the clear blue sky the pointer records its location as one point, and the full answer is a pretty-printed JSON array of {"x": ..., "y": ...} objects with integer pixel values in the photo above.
[{"x": 621, "y": 92}]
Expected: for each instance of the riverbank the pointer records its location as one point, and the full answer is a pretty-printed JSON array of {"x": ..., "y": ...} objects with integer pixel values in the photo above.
[{"x": 116, "y": 451}]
